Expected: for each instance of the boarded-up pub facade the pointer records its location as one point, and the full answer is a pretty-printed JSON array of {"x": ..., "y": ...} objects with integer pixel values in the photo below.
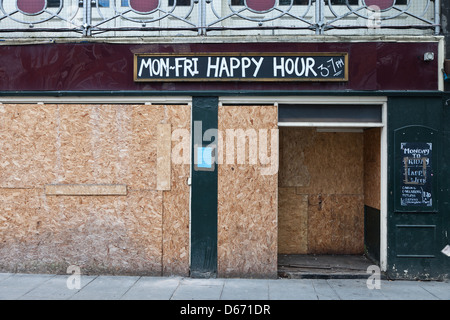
[{"x": 206, "y": 139}]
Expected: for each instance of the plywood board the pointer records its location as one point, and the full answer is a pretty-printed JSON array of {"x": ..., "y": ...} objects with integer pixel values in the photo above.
[
  {"x": 292, "y": 222},
  {"x": 89, "y": 138},
  {"x": 73, "y": 144},
  {"x": 143, "y": 147},
  {"x": 294, "y": 145},
  {"x": 85, "y": 152},
  {"x": 372, "y": 167},
  {"x": 176, "y": 200},
  {"x": 247, "y": 202},
  {"x": 85, "y": 190},
  {"x": 336, "y": 224},
  {"x": 99, "y": 234},
  {"x": 28, "y": 148},
  {"x": 164, "y": 150},
  {"x": 327, "y": 169},
  {"x": 321, "y": 162}
]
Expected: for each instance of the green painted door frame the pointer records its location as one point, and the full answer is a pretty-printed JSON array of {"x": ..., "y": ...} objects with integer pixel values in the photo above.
[
  {"x": 445, "y": 169},
  {"x": 204, "y": 188},
  {"x": 417, "y": 212}
]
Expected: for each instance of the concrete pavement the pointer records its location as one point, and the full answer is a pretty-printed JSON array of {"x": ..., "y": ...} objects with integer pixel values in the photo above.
[{"x": 83, "y": 287}]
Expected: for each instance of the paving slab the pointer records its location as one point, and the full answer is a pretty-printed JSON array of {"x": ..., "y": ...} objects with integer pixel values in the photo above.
[
  {"x": 354, "y": 289},
  {"x": 292, "y": 289},
  {"x": 405, "y": 290},
  {"x": 56, "y": 288},
  {"x": 199, "y": 289},
  {"x": 106, "y": 288},
  {"x": 152, "y": 288},
  {"x": 323, "y": 290},
  {"x": 245, "y": 289},
  {"x": 440, "y": 290},
  {"x": 4, "y": 276},
  {"x": 15, "y": 286}
]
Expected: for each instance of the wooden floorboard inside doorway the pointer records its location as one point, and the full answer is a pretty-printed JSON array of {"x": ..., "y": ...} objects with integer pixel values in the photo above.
[{"x": 301, "y": 266}]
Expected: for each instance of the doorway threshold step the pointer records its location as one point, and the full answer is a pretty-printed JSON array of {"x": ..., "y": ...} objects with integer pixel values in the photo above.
[
  {"x": 311, "y": 266},
  {"x": 323, "y": 275}
]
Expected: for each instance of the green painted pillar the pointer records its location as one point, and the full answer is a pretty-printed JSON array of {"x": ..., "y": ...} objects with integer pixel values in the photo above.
[{"x": 204, "y": 188}]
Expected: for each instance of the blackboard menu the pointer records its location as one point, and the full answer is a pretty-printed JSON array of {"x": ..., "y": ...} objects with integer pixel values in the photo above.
[
  {"x": 416, "y": 187},
  {"x": 241, "y": 67}
]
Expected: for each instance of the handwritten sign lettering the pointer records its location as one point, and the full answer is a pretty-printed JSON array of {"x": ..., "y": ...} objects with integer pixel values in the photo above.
[
  {"x": 417, "y": 174},
  {"x": 241, "y": 67}
]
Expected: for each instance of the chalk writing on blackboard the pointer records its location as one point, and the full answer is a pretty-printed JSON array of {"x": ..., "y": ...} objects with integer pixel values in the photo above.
[
  {"x": 416, "y": 189},
  {"x": 241, "y": 67}
]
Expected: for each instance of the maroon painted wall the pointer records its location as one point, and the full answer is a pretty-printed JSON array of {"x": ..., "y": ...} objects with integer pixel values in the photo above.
[{"x": 102, "y": 66}]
